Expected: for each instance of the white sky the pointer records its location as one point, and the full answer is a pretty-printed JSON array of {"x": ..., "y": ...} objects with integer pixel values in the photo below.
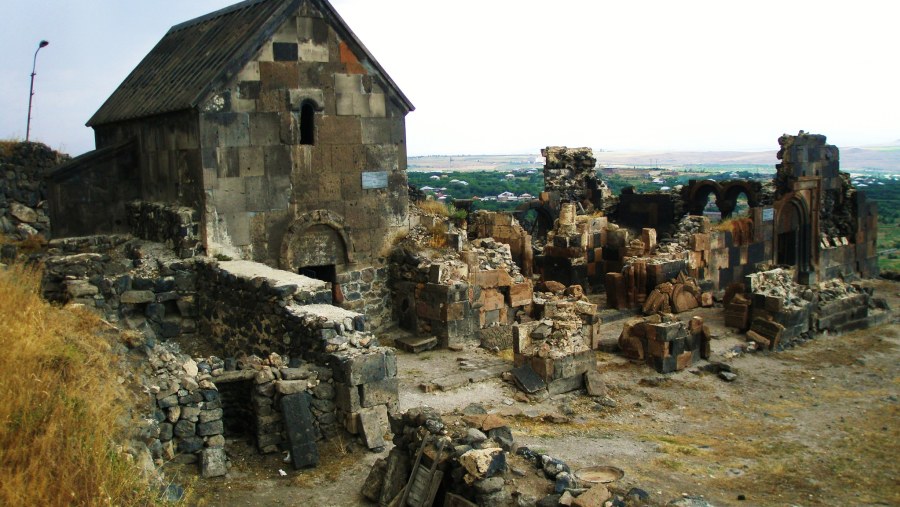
[{"x": 512, "y": 76}]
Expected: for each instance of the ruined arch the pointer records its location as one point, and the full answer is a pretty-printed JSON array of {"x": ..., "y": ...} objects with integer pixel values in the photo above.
[
  {"x": 298, "y": 242},
  {"x": 543, "y": 218},
  {"x": 697, "y": 194}
]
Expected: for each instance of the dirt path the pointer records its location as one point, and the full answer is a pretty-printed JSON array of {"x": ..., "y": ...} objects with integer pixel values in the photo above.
[{"x": 815, "y": 425}]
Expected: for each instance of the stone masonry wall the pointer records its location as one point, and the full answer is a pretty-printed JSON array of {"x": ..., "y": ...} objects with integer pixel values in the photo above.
[
  {"x": 262, "y": 177},
  {"x": 367, "y": 291},
  {"x": 276, "y": 331},
  {"x": 176, "y": 226},
  {"x": 567, "y": 171},
  {"x": 22, "y": 188}
]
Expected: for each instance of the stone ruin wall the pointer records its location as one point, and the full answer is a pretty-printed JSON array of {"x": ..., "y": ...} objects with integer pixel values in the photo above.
[
  {"x": 569, "y": 176},
  {"x": 178, "y": 227},
  {"x": 23, "y": 191},
  {"x": 470, "y": 292},
  {"x": 276, "y": 331}
]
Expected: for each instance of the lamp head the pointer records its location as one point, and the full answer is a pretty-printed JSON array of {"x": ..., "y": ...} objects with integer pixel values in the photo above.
[{"x": 43, "y": 44}]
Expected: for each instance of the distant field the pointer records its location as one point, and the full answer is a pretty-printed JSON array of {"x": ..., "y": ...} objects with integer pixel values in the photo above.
[
  {"x": 876, "y": 159},
  {"x": 468, "y": 163}
]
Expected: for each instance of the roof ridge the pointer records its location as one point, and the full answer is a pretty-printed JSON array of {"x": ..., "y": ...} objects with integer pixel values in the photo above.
[{"x": 215, "y": 14}]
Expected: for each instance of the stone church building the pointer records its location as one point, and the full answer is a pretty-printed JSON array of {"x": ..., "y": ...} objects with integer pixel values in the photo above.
[{"x": 265, "y": 131}]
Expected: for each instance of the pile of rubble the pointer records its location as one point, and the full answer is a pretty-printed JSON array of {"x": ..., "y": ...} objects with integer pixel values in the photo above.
[
  {"x": 554, "y": 351},
  {"x": 684, "y": 233},
  {"x": 458, "y": 294},
  {"x": 665, "y": 342},
  {"x": 679, "y": 295},
  {"x": 279, "y": 403},
  {"x": 779, "y": 284},
  {"x": 505, "y": 229},
  {"x": 472, "y": 461}
]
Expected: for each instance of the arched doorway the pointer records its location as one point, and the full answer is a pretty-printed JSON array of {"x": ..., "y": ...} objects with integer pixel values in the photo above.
[
  {"x": 317, "y": 246},
  {"x": 793, "y": 234}
]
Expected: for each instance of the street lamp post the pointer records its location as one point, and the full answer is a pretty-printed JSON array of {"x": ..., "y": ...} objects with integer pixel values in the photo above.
[{"x": 42, "y": 44}]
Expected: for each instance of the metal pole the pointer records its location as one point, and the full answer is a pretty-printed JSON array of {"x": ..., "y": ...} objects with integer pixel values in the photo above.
[{"x": 42, "y": 44}]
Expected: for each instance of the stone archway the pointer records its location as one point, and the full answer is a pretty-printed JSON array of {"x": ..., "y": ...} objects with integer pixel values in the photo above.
[
  {"x": 696, "y": 195},
  {"x": 316, "y": 238},
  {"x": 793, "y": 245}
]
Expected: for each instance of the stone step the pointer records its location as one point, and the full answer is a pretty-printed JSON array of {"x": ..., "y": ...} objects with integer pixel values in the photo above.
[
  {"x": 415, "y": 345},
  {"x": 459, "y": 379}
]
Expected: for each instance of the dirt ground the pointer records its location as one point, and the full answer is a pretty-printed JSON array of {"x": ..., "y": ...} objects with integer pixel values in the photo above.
[{"x": 818, "y": 424}]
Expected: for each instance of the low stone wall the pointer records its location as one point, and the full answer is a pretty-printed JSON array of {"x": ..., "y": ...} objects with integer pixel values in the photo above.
[
  {"x": 178, "y": 227},
  {"x": 142, "y": 285},
  {"x": 246, "y": 307},
  {"x": 277, "y": 332}
]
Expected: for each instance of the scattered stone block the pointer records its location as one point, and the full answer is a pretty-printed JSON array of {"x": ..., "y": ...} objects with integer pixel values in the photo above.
[
  {"x": 483, "y": 463},
  {"x": 373, "y": 423},
  {"x": 528, "y": 380},
  {"x": 213, "y": 462},
  {"x": 594, "y": 384},
  {"x": 382, "y": 392},
  {"x": 300, "y": 428},
  {"x": 414, "y": 345},
  {"x": 594, "y": 497}
]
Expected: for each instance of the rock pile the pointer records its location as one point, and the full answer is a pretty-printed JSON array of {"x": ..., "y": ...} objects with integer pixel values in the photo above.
[
  {"x": 199, "y": 400},
  {"x": 140, "y": 284},
  {"x": 664, "y": 342},
  {"x": 779, "y": 284},
  {"x": 23, "y": 192},
  {"x": 455, "y": 294},
  {"x": 505, "y": 229},
  {"x": 556, "y": 347},
  {"x": 472, "y": 460},
  {"x": 679, "y": 295}
]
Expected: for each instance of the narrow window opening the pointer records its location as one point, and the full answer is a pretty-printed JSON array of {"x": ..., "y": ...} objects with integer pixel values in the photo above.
[{"x": 307, "y": 124}]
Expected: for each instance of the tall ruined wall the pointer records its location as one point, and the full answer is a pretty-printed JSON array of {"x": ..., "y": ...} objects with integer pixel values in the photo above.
[
  {"x": 567, "y": 171},
  {"x": 267, "y": 170},
  {"x": 818, "y": 209},
  {"x": 22, "y": 188}
]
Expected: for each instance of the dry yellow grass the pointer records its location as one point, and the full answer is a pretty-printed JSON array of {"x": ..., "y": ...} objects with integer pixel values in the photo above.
[
  {"x": 434, "y": 208},
  {"x": 60, "y": 405},
  {"x": 437, "y": 235}
]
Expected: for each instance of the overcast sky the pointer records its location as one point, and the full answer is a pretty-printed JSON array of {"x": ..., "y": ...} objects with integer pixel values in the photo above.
[{"x": 511, "y": 76}]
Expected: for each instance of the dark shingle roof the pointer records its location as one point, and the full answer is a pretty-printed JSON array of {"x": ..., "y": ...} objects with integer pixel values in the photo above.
[{"x": 200, "y": 56}]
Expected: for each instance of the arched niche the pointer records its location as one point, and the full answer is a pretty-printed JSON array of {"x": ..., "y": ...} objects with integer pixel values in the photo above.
[{"x": 315, "y": 240}]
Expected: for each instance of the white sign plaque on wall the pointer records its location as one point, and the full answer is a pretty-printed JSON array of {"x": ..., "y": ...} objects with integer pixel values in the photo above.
[
  {"x": 768, "y": 214},
  {"x": 374, "y": 179}
]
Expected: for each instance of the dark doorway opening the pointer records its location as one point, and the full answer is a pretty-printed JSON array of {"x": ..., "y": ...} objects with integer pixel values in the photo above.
[
  {"x": 794, "y": 248},
  {"x": 325, "y": 273},
  {"x": 237, "y": 410}
]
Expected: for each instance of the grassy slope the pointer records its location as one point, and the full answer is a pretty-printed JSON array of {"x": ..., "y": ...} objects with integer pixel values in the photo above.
[{"x": 61, "y": 400}]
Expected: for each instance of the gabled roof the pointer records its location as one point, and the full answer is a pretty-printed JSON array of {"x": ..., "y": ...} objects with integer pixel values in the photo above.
[{"x": 201, "y": 56}]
